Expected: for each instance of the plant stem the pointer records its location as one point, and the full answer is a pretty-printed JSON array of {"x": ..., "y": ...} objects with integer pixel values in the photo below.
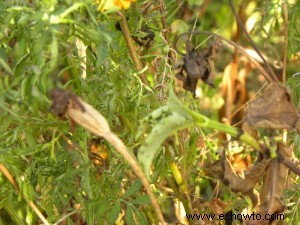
[
  {"x": 285, "y": 24},
  {"x": 135, "y": 57},
  {"x": 122, "y": 149},
  {"x": 11, "y": 179},
  {"x": 162, "y": 10},
  {"x": 203, "y": 121}
]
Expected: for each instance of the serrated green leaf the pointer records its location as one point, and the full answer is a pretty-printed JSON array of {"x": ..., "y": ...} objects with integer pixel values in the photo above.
[{"x": 133, "y": 189}]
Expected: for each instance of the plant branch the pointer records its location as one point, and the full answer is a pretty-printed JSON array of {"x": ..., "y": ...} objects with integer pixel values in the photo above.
[
  {"x": 11, "y": 179},
  {"x": 135, "y": 57},
  {"x": 122, "y": 149},
  {"x": 203, "y": 121},
  {"x": 271, "y": 72},
  {"x": 162, "y": 10},
  {"x": 285, "y": 24}
]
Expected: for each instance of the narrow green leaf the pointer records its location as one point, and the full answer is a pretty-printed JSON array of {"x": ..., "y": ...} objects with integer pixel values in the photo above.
[
  {"x": 54, "y": 53},
  {"x": 29, "y": 138},
  {"x": 13, "y": 214},
  {"x": 141, "y": 217},
  {"x": 26, "y": 86},
  {"x": 129, "y": 216},
  {"x": 6, "y": 67},
  {"x": 133, "y": 189},
  {"x": 114, "y": 213},
  {"x": 142, "y": 200}
]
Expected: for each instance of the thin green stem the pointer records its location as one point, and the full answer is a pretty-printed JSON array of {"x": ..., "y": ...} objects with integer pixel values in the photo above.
[{"x": 203, "y": 121}]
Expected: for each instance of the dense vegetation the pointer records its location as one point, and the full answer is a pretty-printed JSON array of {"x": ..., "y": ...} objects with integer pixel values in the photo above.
[{"x": 213, "y": 127}]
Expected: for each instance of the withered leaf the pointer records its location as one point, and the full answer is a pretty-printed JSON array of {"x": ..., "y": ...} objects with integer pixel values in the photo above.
[
  {"x": 195, "y": 65},
  {"x": 273, "y": 109},
  {"x": 222, "y": 170},
  {"x": 68, "y": 105},
  {"x": 61, "y": 100},
  {"x": 275, "y": 181}
]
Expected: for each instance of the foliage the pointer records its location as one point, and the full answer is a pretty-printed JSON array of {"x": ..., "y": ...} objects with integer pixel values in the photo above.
[{"x": 72, "y": 45}]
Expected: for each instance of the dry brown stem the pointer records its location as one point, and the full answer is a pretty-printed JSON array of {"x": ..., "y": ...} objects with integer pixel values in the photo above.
[
  {"x": 11, "y": 179},
  {"x": 85, "y": 115},
  {"x": 135, "y": 57}
]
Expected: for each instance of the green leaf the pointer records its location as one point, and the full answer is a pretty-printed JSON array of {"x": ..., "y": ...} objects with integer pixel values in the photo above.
[
  {"x": 54, "y": 53},
  {"x": 166, "y": 127},
  {"x": 165, "y": 122},
  {"x": 114, "y": 213},
  {"x": 178, "y": 27},
  {"x": 102, "y": 52},
  {"x": 141, "y": 200},
  {"x": 14, "y": 214},
  {"x": 133, "y": 189},
  {"x": 26, "y": 86},
  {"x": 141, "y": 217},
  {"x": 30, "y": 138},
  {"x": 129, "y": 216},
  {"x": 6, "y": 67}
]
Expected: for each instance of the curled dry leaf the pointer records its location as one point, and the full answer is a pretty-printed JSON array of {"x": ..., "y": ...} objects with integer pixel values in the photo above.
[
  {"x": 222, "y": 170},
  {"x": 275, "y": 182},
  {"x": 193, "y": 66},
  {"x": 273, "y": 109}
]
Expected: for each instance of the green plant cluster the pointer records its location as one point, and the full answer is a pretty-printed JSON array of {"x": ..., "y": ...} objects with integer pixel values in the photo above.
[{"x": 39, "y": 51}]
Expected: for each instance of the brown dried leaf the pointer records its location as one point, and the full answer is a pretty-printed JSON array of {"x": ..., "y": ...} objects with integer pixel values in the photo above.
[
  {"x": 275, "y": 181},
  {"x": 195, "y": 65},
  {"x": 273, "y": 109},
  {"x": 218, "y": 207},
  {"x": 223, "y": 171}
]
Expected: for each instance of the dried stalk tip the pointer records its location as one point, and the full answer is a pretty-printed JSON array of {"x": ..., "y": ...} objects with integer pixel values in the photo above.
[{"x": 68, "y": 105}]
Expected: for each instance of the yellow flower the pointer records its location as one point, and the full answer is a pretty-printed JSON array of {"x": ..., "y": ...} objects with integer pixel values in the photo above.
[
  {"x": 113, "y": 5},
  {"x": 124, "y": 4}
]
